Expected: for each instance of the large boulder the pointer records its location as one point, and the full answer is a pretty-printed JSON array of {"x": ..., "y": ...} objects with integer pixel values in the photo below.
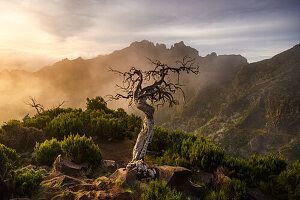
[
  {"x": 204, "y": 177},
  {"x": 256, "y": 194},
  {"x": 173, "y": 175},
  {"x": 179, "y": 178},
  {"x": 129, "y": 176},
  {"x": 67, "y": 167}
]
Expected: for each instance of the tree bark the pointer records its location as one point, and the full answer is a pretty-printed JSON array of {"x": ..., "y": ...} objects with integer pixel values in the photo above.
[
  {"x": 145, "y": 136},
  {"x": 143, "y": 140}
]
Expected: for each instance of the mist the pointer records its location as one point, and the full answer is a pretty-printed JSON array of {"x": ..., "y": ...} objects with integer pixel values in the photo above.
[{"x": 73, "y": 81}]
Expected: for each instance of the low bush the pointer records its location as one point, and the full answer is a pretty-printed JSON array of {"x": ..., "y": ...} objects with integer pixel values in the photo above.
[
  {"x": 97, "y": 103},
  {"x": 159, "y": 190},
  {"x": 25, "y": 181},
  {"x": 216, "y": 195},
  {"x": 66, "y": 123},
  {"x": 47, "y": 151},
  {"x": 186, "y": 150},
  {"x": 21, "y": 138},
  {"x": 286, "y": 185},
  {"x": 160, "y": 140},
  {"x": 8, "y": 161},
  {"x": 266, "y": 166},
  {"x": 235, "y": 190},
  {"x": 81, "y": 149},
  {"x": 256, "y": 169},
  {"x": 38, "y": 121}
]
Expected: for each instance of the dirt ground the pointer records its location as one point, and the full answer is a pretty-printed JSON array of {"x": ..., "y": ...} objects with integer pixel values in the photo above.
[{"x": 121, "y": 152}]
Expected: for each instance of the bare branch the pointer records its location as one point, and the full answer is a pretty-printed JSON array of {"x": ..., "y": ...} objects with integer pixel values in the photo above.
[
  {"x": 33, "y": 103},
  {"x": 160, "y": 88}
]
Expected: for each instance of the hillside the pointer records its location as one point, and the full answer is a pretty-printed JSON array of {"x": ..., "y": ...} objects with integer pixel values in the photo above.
[
  {"x": 258, "y": 112},
  {"x": 74, "y": 80}
]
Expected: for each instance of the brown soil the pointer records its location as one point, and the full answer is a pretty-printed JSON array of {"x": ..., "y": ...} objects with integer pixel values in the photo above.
[{"x": 119, "y": 151}]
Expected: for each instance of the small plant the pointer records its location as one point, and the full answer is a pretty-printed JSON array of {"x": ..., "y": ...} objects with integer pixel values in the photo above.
[
  {"x": 25, "y": 181},
  {"x": 120, "y": 183},
  {"x": 159, "y": 190},
  {"x": 236, "y": 189},
  {"x": 216, "y": 195},
  {"x": 47, "y": 151},
  {"x": 8, "y": 160},
  {"x": 81, "y": 149}
]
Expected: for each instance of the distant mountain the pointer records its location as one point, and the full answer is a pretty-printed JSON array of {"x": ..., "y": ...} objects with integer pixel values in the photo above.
[
  {"x": 75, "y": 80},
  {"x": 258, "y": 112}
]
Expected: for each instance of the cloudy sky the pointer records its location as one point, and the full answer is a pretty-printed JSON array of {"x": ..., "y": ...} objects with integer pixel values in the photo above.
[{"x": 43, "y": 31}]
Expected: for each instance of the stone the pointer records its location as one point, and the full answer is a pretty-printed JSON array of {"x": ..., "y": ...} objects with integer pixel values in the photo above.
[
  {"x": 221, "y": 176},
  {"x": 109, "y": 164},
  {"x": 256, "y": 194},
  {"x": 173, "y": 175},
  {"x": 63, "y": 180},
  {"x": 204, "y": 177},
  {"x": 6, "y": 191},
  {"x": 129, "y": 176},
  {"x": 191, "y": 189},
  {"x": 67, "y": 167}
]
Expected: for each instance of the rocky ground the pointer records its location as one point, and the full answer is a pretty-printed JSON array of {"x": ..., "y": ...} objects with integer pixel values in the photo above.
[{"x": 67, "y": 180}]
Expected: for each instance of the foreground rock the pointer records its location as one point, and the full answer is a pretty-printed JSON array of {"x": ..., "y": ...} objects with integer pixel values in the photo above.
[
  {"x": 67, "y": 187},
  {"x": 173, "y": 175},
  {"x": 67, "y": 167},
  {"x": 179, "y": 178},
  {"x": 128, "y": 176}
]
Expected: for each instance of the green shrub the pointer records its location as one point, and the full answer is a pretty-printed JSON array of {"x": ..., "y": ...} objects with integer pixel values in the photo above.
[
  {"x": 38, "y": 121},
  {"x": 266, "y": 166},
  {"x": 206, "y": 155},
  {"x": 47, "y": 151},
  {"x": 159, "y": 190},
  {"x": 186, "y": 150},
  {"x": 25, "y": 181},
  {"x": 14, "y": 122},
  {"x": 97, "y": 103},
  {"x": 66, "y": 123},
  {"x": 8, "y": 160},
  {"x": 236, "y": 190},
  {"x": 286, "y": 185},
  {"x": 216, "y": 195},
  {"x": 160, "y": 140},
  {"x": 242, "y": 169},
  {"x": 81, "y": 149}
]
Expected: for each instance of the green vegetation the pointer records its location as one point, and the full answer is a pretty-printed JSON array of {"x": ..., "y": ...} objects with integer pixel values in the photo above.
[
  {"x": 76, "y": 148},
  {"x": 81, "y": 149},
  {"x": 235, "y": 189},
  {"x": 96, "y": 120},
  {"x": 8, "y": 161},
  {"x": 47, "y": 151},
  {"x": 70, "y": 131},
  {"x": 25, "y": 181},
  {"x": 186, "y": 150},
  {"x": 216, "y": 195},
  {"x": 159, "y": 190},
  {"x": 286, "y": 185}
]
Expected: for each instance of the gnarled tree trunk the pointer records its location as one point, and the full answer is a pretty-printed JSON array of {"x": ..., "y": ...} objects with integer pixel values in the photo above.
[
  {"x": 145, "y": 136},
  {"x": 143, "y": 140}
]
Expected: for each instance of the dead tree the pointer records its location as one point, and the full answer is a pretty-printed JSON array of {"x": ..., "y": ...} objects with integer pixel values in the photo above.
[
  {"x": 33, "y": 103},
  {"x": 145, "y": 89}
]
